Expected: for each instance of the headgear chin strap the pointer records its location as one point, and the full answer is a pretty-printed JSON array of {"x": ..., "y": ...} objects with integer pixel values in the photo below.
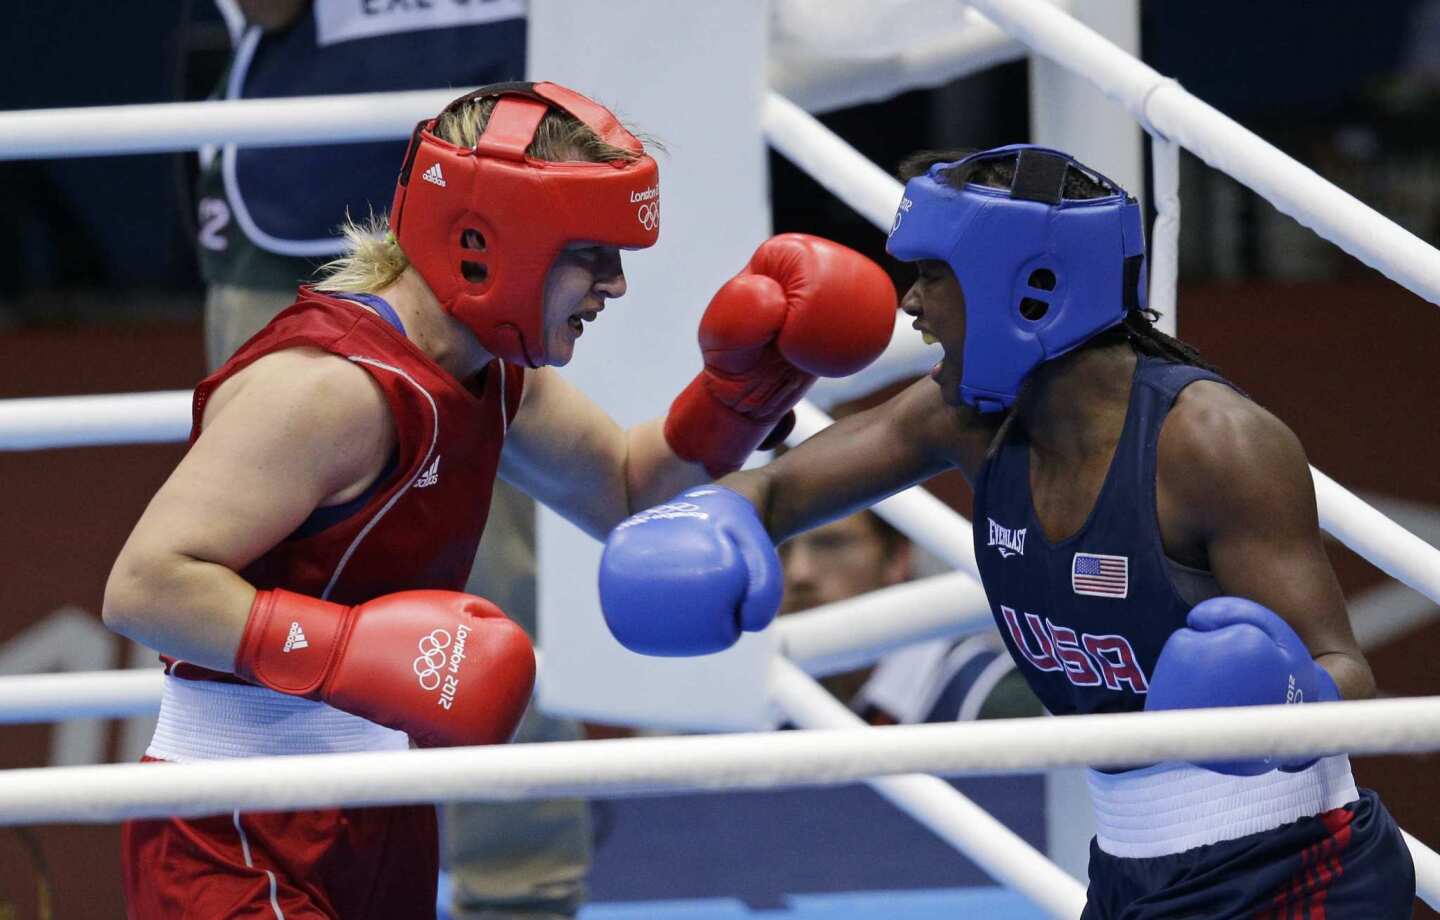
[
  {"x": 1040, "y": 273},
  {"x": 522, "y": 211}
]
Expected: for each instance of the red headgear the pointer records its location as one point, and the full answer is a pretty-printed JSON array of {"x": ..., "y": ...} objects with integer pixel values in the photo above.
[{"x": 525, "y": 210}]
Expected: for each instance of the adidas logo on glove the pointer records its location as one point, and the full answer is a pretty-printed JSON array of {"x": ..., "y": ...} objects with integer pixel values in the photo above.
[{"x": 296, "y": 639}]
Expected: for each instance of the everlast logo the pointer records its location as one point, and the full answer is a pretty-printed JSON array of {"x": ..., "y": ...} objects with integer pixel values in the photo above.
[{"x": 1008, "y": 542}]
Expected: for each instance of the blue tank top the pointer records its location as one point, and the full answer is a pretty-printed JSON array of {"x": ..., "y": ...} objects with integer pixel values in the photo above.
[{"x": 1085, "y": 618}]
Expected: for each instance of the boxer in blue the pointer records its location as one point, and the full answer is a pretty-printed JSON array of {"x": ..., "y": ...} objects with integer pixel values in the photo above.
[{"x": 1147, "y": 537}]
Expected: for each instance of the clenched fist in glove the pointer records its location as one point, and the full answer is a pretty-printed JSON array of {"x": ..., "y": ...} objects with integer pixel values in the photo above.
[
  {"x": 804, "y": 307},
  {"x": 446, "y": 668},
  {"x": 689, "y": 576},
  {"x": 1235, "y": 652}
]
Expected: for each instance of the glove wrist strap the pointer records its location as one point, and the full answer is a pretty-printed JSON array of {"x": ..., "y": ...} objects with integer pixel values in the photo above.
[
  {"x": 701, "y": 429},
  {"x": 290, "y": 641}
]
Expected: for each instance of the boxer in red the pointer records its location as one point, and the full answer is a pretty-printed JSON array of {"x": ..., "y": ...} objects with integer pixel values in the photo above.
[{"x": 299, "y": 569}]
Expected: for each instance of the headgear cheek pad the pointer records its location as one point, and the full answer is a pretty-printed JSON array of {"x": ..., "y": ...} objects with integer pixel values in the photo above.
[
  {"x": 523, "y": 212},
  {"x": 1040, "y": 273}
]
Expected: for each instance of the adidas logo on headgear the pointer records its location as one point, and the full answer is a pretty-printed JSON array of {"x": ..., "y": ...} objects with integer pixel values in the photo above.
[{"x": 434, "y": 176}]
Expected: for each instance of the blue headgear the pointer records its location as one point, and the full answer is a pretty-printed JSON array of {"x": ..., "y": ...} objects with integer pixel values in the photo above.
[{"x": 1040, "y": 273}]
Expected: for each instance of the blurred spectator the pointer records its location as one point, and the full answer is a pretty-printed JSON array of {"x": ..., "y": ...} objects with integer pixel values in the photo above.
[
  {"x": 268, "y": 215},
  {"x": 266, "y": 218},
  {"x": 1415, "y": 84},
  {"x": 841, "y": 560},
  {"x": 936, "y": 681}
]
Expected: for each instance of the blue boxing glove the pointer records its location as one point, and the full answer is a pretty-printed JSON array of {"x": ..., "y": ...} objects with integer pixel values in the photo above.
[
  {"x": 1237, "y": 653},
  {"x": 686, "y": 577}
]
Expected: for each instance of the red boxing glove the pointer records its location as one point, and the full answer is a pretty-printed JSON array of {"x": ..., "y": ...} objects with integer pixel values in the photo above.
[
  {"x": 446, "y": 668},
  {"x": 804, "y": 307}
]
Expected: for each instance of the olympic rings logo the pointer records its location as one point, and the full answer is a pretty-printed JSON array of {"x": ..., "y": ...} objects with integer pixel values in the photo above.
[
  {"x": 431, "y": 658},
  {"x": 905, "y": 205},
  {"x": 649, "y": 215}
]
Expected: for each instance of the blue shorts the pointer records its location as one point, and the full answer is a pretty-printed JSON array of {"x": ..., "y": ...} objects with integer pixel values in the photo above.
[{"x": 1341, "y": 864}]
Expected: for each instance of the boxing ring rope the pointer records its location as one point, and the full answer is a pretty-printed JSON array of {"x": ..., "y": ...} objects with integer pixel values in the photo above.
[
  {"x": 937, "y": 805},
  {"x": 165, "y": 127},
  {"x": 42, "y": 422},
  {"x": 828, "y": 639},
  {"x": 764, "y": 760},
  {"x": 759, "y": 760},
  {"x": 1163, "y": 108},
  {"x": 1157, "y": 102},
  {"x": 29, "y": 698},
  {"x": 853, "y": 633}
]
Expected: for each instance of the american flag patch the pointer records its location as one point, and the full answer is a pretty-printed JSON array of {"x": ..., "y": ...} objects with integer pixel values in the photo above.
[{"x": 1100, "y": 576}]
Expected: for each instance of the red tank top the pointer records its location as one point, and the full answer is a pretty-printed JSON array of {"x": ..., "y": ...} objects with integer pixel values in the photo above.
[{"x": 419, "y": 529}]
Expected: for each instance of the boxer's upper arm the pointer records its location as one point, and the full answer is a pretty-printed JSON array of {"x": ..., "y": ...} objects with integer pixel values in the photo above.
[
  {"x": 565, "y": 451},
  {"x": 1240, "y": 484},
  {"x": 863, "y": 458},
  {"x": 298, "y": 431}
]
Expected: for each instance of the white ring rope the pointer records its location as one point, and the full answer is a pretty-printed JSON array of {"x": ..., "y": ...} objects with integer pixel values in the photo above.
[
  {"x": 1162, "y": 107},
  {"x": 164, "y": 417},
  {"x": 840, "y": 168},
  {"x": 853, "y": 633},
  {"x": 170, "y": 126},
  {"x": 43, "y": 422},
  {"x": 937, "y": 805},
  {"x": 763, "y": 760},
  {"x": 1389, "y": 547},
  {"x": 1427, "y": 870},
  {"x": 79, "y": 695},
  {"x": 825, "y": 640}
]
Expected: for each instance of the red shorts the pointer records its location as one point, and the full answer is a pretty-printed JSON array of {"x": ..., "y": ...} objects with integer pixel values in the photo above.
[{"x": 333, "y": 864}]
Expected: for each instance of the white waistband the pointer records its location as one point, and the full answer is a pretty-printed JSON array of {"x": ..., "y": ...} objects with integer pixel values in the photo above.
[
  {"x": 1173, "y": 807},
  {"x": 207, "y": 720}
]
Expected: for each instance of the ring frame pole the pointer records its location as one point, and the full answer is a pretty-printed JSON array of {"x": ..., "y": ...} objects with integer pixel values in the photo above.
[{"x": 1165, "y": 237}]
